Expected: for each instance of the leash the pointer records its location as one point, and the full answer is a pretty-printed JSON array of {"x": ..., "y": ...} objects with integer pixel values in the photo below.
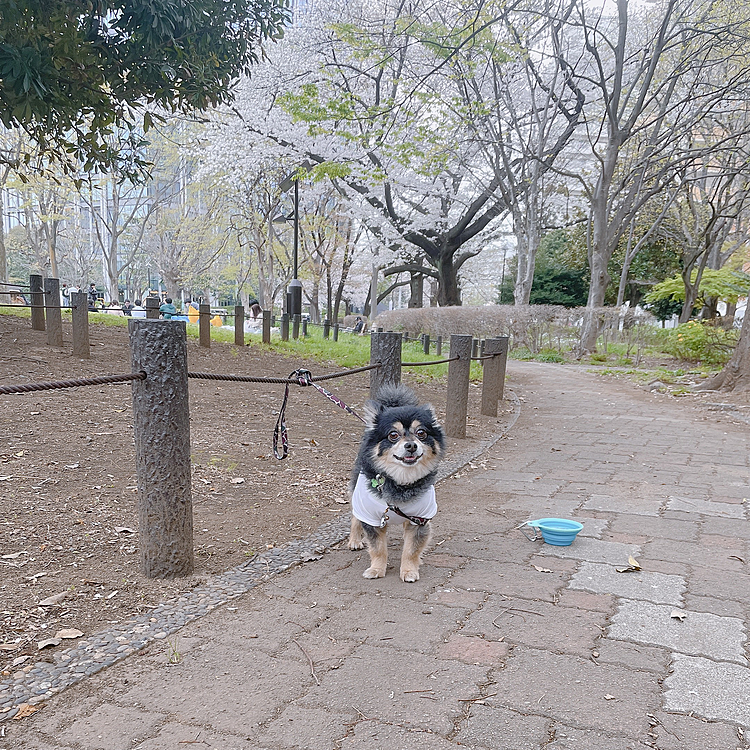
[{"x": 280, "y": 432}]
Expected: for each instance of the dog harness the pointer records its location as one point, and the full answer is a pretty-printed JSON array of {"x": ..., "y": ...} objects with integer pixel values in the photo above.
[{"x": 369, "y": 506}]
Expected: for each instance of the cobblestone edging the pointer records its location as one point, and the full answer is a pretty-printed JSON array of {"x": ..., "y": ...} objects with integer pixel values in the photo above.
[{"x": 111, "y": 645}]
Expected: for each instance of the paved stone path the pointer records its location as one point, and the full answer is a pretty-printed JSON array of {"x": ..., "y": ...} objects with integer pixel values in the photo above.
[{"x": 504, "y": 643}]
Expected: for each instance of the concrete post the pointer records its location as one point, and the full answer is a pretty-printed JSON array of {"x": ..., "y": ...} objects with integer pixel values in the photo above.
[
  {"x": 502, "y": 363},
  {"x": 457, "y": 398},
  {"x": 475, "y": 348},
  {"x": 239, "y": 325},
  {"x": 492, "y": 377},
  {"x": 80, "y": 319},
  {"x": 426, "y": 343},
  {"x": 335, "y": 331},
  {"x": 152, "y": 308},
  {"x": 304, "y": 329},
  {"x": 326, "y": 328},
  {"x": 386, "y": 349},
  {"x": 161, "y": 423},
  {"x": 204, "y": 325},
  {"x": 285, "y": 327},
  {"x": 266, "y": 326},
  {"x": 439, "y": 346},
  {"x": 54, "y": 314},
  {"x": 36, "y": 295},
  {"x": 295, "y": 326}
]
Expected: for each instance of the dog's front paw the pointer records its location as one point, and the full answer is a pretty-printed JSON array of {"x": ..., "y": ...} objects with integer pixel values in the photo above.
[
  {"x": 409, "y": 575},
  {"x": 374, "y": 573},
  {"x": 355, "y": 544}
]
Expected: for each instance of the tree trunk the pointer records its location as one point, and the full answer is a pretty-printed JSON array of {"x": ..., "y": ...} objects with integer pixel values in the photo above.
[
  {"x": 449, "y": 293},
  {"x": 416, "y": 287},
  {"x": 735, "y": 376}
]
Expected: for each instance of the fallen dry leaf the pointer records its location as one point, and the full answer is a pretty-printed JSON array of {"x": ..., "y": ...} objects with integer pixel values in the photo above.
[
  {"x": 677, "y": 614},
  {"x": 237, "y": 480},
  {"x": 48, "y": 642},
  {"x": 543, "y": 570},
  {"x": 26, "y": 709},
  {"x": 68, "y": 633},
  {"x": 633, "y": 565},
  {"x": 14, "y": 555},
  {"x": 124, "y": 530},
  {"x": 51, "y": 601},
  {"x": 609, "y": 697}
]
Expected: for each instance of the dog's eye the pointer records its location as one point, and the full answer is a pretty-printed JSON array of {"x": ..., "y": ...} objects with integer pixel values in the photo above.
[
  {"x": 421, "y": 433},
  {"x": 393, "y": 436}
]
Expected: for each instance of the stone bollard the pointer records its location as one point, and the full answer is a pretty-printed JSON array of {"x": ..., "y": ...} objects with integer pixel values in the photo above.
[
  {"x": 426, "y": 343},
  {"x": 161, "y": 425},
  {"x": 152, "y": 308},
  {"x": 474, "y": 348},
  {"x": 295, "y": 326},
  {"x": 285, "y": 327},
  {"x": 53, "y": 311},
  {"x": 36, "y": 295},
  {"x": 304, "y": 328},
  {"x": 326, "y": 328},
  {"x": 493, "y": 374},
  {"x": 204, "y": 325},
  {"x": 80, "y": 320},
  {"x": 457, "y": 397},
  {"x": 239, "y": 325},
  {"x": 439, "y": 346},
  {"x": 266, "y": 326},
  {"x": 335, "y": 331},
  {"x": 386, "y": 349}
]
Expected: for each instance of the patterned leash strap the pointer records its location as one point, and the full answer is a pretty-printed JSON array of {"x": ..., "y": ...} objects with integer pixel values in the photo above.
[{"x": 280, "y": 432}]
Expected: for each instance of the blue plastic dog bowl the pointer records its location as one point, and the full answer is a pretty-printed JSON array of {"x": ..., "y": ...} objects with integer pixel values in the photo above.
[{"x": 558, "y": 531}]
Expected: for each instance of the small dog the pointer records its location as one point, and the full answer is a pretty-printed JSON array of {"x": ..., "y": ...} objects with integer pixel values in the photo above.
[{"x": 394, "y": 479}]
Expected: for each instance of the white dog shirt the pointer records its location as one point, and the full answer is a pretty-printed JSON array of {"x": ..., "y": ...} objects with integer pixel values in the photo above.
[{"x": 369, "y": 507}]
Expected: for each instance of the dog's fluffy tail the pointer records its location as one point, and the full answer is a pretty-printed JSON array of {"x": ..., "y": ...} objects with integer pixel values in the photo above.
[{"x": 396, "y": 395}]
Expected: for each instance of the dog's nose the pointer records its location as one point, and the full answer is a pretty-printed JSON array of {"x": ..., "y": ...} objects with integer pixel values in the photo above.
[{"x": 410, "y": 447}]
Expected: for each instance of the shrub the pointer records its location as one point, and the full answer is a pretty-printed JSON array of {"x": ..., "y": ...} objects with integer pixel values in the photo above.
[{"x": 696, "y": 341}]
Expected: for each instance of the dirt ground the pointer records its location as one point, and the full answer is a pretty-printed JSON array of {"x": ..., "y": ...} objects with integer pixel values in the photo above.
[{"x": 68, "y": 518}]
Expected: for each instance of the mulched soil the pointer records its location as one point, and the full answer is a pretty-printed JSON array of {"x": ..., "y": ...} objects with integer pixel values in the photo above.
[{"x": 68, "y": 517}]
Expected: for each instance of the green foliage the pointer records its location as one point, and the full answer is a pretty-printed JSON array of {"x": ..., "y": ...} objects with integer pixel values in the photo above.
[
  {"x": 71, "y": 71},
  {"x": 696, "y": 341},
  {"x": 553, "y": 286},
  {"x": 725, "y": 284}
]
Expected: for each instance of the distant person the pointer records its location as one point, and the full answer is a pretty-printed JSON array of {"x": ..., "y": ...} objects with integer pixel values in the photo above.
[
  {"x": 359, "y": 325},
  {"x": 65, "y": 295},
  {"x": 167, "y": 309},
  {"x": 255, "y": 309},
  {"x": 138, "y": 310},
  {"x": 93, "y": 297},
  {"x": 127, "y": 308}
]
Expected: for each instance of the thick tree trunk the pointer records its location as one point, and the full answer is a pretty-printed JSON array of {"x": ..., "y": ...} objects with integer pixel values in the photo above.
[
  {"x": 416, "y": 287},
  {"x": 449, "y": 293},
  {"x": 736, "y": 374}
]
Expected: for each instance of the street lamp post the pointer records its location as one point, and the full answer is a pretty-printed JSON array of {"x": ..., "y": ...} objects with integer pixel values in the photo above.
[{"x": 295, "y": 285}]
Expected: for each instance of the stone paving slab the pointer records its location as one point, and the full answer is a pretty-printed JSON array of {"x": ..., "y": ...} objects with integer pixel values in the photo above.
[
  {"x": 594, "y": 550},
  {"x": 653, "y": 587},
  {"x": 488, "y": 649},
  {"x": 706, "y": 507},
  {"x": 714, "y": 690},
  {"x": 699, "y": 634}
]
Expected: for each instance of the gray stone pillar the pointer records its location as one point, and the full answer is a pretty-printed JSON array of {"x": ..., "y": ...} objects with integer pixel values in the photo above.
[
  {"x": 386, "y": 349},
  {"x": 54, "y": 313},
  {"x": 285, "y": 327},
  {"x": 204, "y": 325},
  {"x": 295, "y": 326},
  {"x": 36, "y": 295},
  {"x": 493, "y": 374},
  {"x": 457, "y": 398},
  {"x": 80, "y": 319},
  {"x": 335, "y": 331},
  {"x": 239, "y": 325},
  {"x": 326, "y": 328},
  {"x": 439, "y": 346},
  {"x": 266, "y": 326},
  {"x": 161, "y": 424},
  {"x": 152, "y": 308}
]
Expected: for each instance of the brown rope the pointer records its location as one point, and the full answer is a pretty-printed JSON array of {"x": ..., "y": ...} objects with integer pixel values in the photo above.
[
  {"x": 53, "y": 384},
  {"x": 282, "y": 381},
  {"x": 435, "y": 362}
]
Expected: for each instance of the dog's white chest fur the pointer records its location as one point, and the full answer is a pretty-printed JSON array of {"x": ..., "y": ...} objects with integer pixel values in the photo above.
[{"x": 369, "y": 507}]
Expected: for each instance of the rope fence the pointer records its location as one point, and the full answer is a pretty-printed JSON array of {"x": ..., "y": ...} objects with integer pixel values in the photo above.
[{"x": 161, "y": 417}]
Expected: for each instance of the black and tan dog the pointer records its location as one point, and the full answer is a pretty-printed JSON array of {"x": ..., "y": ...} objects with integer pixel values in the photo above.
[{"x": 394, "y": 479}]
